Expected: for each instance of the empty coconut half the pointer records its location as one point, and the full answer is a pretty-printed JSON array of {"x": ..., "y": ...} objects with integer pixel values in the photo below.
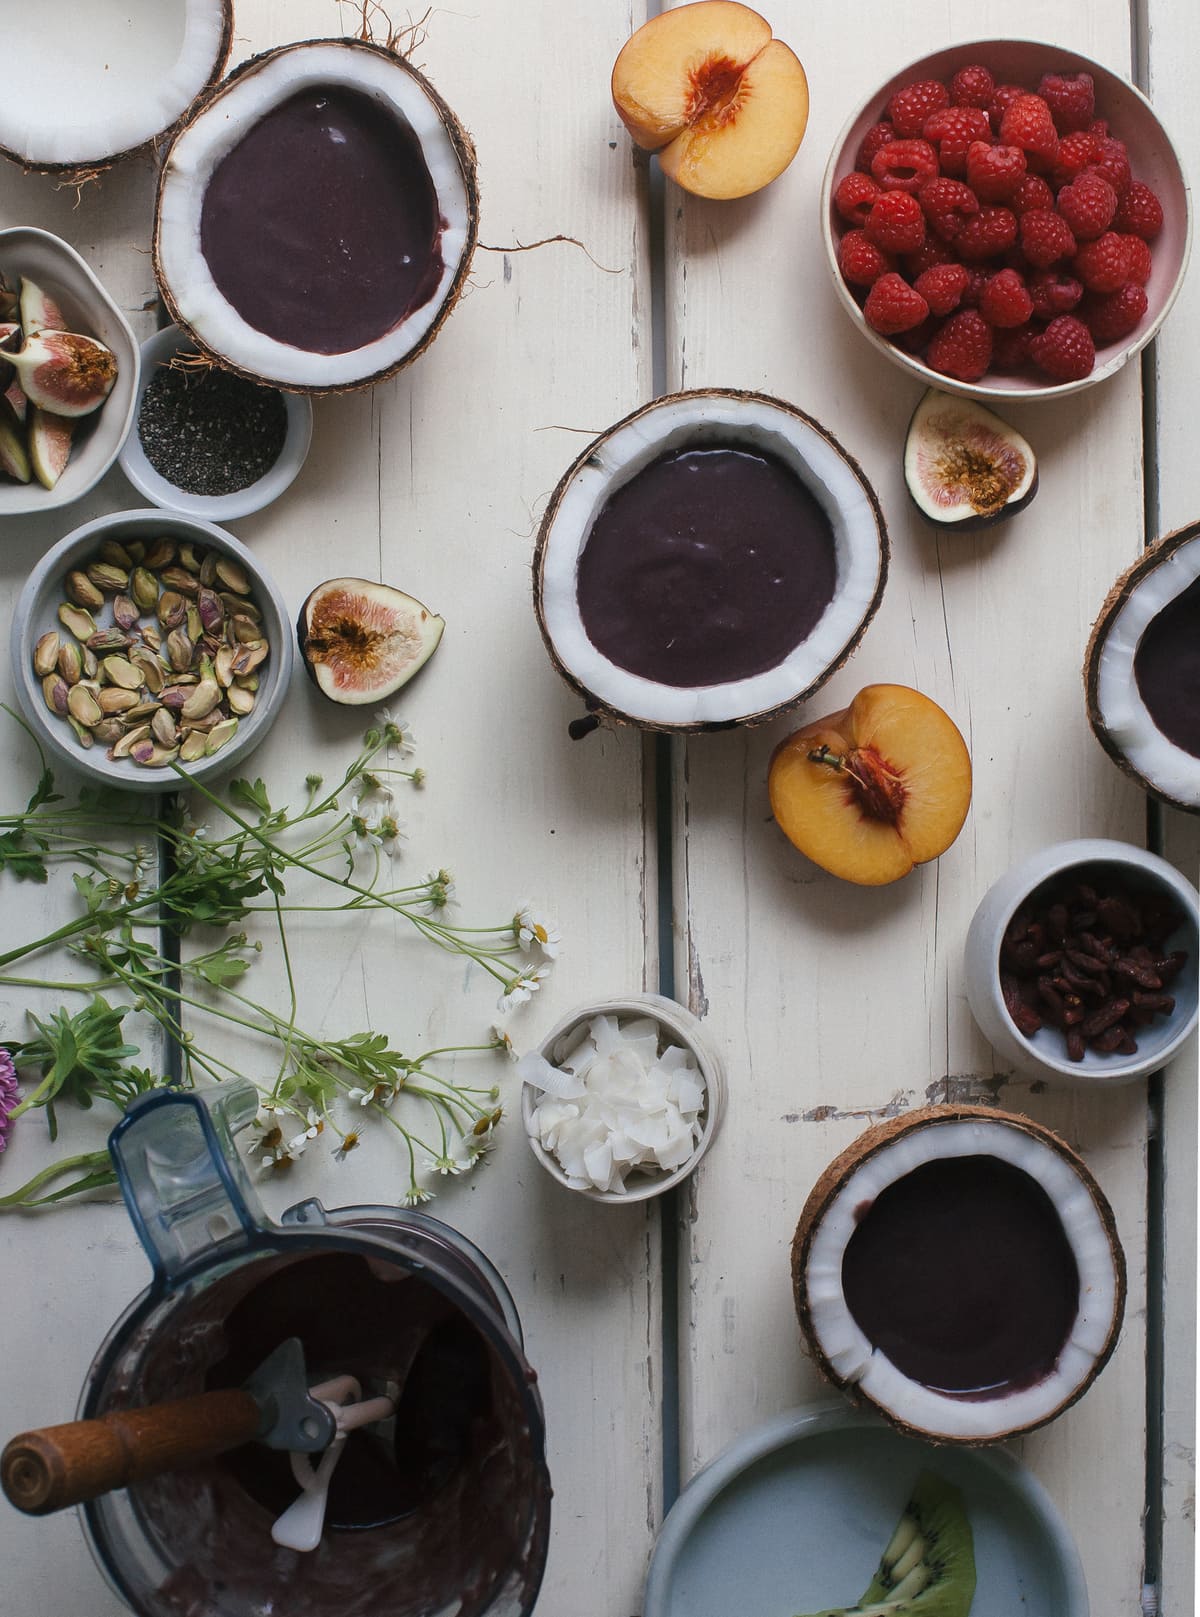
[
  {"x": 959, "y": 1269},
  {"x": 316, "y": 217},
  {"x": 89, "y": 81},
  {"x": 710, "y": 560},
  {"x": 1141, "y": 670}
]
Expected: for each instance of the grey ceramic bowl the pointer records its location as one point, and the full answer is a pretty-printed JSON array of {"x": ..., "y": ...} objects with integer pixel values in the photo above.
[
  {"x": 87, "y": 307},
  {"x": 794, "y": 1515},
  {"x": 676, "y": 1025},
  {"x": 158, "y": 350},
  {"x": 37, "y": 612},
  {"x": 1045, "y": 1053}
]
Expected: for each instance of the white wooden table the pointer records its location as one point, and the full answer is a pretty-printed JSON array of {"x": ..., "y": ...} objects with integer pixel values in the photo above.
[{"x": 831, "y": 1004}]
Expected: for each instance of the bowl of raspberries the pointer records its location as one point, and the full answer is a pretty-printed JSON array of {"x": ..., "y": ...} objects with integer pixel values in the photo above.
[{"x": 1006, "y": 218}]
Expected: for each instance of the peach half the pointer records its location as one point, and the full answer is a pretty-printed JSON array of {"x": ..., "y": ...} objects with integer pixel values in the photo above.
[
  {"x": 874, "y": 790},
  {"x": 723, "y": 104}
]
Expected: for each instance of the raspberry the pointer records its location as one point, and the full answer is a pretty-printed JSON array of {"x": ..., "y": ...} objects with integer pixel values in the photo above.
[
  {"x": 918, "y": 339},
  {"x": 948, "y": 204},
  {"x": 1075, "y": 152},
  {"x": 932, "y": 251},
  {"x": 1071, "y": 99},
  {"x": 1033, "y": 192},
  {"x": 1027, "y": 123},
  {"x": 1065, "y": 349},
  {"x": 972, "y": 87},
  {"x": 1045, "y": 238},
  {"x": 854, "y": 196},
  {"x": 909, "y": 107},
  {"x": 994, "y": 172},
  {"x": 1053, "y": 293},
  {"x": 1113, "y": 163},
  {"x": 951, "y": 130},
  {"x": 896, "y": 223},
  {"x": 1004, "y": 301},
  {"x": 1139, "y": 212},
  {"x": 892, "y": 305},
  {"x": 1113, "y": 315},
  {"x": 988, "y": 233},
  {"x": 905, "y": 165},
  {"x": 1088, "y": 205},
  {"x": 877, "y": 136},
  {"x": 963, "y": 347},
  {"x": 1103, "y": 265},
  {"x": 1099, "y": 127},
  {"x": 1010, "y": 349},
  {"x": 1004, "y": 97},
  {"x": 942, "y": 287},
  {"x": 1140, "y": 263},
  {"x": 977, "y": 279},
  {"x": 860, "y": 261}
]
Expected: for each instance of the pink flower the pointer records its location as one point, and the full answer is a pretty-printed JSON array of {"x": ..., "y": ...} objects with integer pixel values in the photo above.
[{"x": 10, "y": 1094}]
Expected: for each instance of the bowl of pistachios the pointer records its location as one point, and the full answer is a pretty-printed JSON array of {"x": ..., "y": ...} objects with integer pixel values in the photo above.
[{"x": 149, "y": 644}]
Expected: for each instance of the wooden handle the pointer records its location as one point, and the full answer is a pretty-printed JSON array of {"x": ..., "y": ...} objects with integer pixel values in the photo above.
[{"x": 57, "y": 1466}]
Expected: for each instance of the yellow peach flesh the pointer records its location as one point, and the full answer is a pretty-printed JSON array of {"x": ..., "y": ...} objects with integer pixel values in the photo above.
[{"x": 680, "y": 62}]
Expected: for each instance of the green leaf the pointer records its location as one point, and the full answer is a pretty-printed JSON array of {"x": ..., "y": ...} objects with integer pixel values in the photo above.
[
  {"x": 43, "y": 792},
  {"x": 21, "y": 861},
  {"x": 93, "y": 891},
  {"x": 252, "y": 796}
]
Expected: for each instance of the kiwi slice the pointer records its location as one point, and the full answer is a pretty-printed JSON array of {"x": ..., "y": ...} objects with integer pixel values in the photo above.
[{"x": 928, "y": 1568}]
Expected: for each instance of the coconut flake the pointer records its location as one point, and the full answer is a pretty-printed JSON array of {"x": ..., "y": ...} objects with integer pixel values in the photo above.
[{"x": 615, "y": 1104}]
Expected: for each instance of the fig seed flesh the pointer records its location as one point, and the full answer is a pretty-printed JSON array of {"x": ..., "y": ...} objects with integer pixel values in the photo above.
[
  {"x": 362, "y": 641},
  {"x": 964, "y": 467}
]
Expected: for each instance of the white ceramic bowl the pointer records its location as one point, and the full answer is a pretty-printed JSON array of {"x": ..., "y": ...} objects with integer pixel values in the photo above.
[
  {"x": 1152, "y": 157},
  {"x": 159, "y": 350},
  {"x": 37, "y": 612},
  {"x": 1045, "y": 1054},
  {"x": 677, "y": 1025},
  {"x": 59, "y": 270}
]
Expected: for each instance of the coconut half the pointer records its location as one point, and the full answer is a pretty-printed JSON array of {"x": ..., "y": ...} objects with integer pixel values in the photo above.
[
  {"x": 883, "y": 1157},
  {"x": 223, "y": 121},
  {"x": 703, "y": 420},
  {"x": 1131, "y": 733},
  {"x": 91, "y": 81}
]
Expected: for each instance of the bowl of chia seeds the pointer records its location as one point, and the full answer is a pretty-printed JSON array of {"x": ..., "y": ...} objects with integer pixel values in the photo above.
[{"x": 209, "y": 443}]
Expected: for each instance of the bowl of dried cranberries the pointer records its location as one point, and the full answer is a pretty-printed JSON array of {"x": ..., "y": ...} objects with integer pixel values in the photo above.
[{"x": 1006, "y": 218}]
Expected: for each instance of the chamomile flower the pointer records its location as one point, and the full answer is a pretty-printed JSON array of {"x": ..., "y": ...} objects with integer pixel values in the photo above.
[
  {"x": 377, "y": 1095},
  {"x": 415, "y": 1195},
  {"x": 313, "y": 1124},
  {"x": 447, "y": 1164},
  {"x": 522, "y": 988},
  {"x": 502, "y": 1039},
  {"x": 351, "y": 1140},
  {"x": 535, "y": 932}
]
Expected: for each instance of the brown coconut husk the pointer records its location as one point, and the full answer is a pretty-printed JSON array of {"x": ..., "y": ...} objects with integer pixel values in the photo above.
[
  {"x": 81, "y": 174},
  {"x": 604, "y": 712},
  {"x": 1116, "y": 598},
  {"x": 464, "y": 148},
  {"x": 872, "y": 1141}
]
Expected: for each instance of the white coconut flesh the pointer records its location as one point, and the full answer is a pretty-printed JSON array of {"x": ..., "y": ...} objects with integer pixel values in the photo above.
[
  {"x": 1118, "y": 707},
  {"x": 856, "y": 1360},
  {"x": 201, "y": 145},
  {"x": 87, "y": 80},
  {"x": 697, "y": 421}
]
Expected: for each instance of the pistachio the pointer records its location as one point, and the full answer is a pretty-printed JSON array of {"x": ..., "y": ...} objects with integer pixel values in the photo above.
[
  {"x": 143, "y": 586},
  {"x": 107, "y": 578},
  {"x": 45, "y": 654},
  {"x": 105, "y": 640},
  {"x": 80, "y": 623},
  {"x": 163, "y": 728},
  {"x": 179, "y": 579},
  {"x": 233, "y": 575},
  {"x": 91, "y": 663},
  {"x": 240, "y": 607},
  {"x": 82, "y": 705},
  {"x": 245, "y": 631},
  {"x": 115, "y": 699},
  {"x": 129, "y": 740},
  {"x": 151, "y": 669},
  {"x": 143, "y": 710},
  {"x": 219, "y": 735},
  {"x": 208, "y": 722},
  {"x": 120, "y": 671},
  {"x": 212, "y": 611},
  {"x": 223, "y": 660},
  {"x": 80, "y": 591},
  {"x": 180, "y": 651},
  {"x": 115, "y": 554},
  {"x": 248, "y": 682},
  {"x": 192, "y": 747},
  {"x": 240, "y": 701},
  {"x": 202, "y": 700},
  {"x": 136, "y": 550},
  {"x": 188, "y": 557},
  {"x": 83, "y": 735},
  {"x": 125, "y": 612},
  {"x": 249, "y": 657},
  {"x": 193, "y": 623},
  {"x": 160, "y": 553},
  {"x": 109, "y": 730},
  {"x": 172, "y": 609},
  {"x": 208, "y": 570},
  {"x": 56, "y": 690},
  {"x": 70, "y": 662},
  {"x": 174, "y": 696},
  {"x": 151, "y": 636}
]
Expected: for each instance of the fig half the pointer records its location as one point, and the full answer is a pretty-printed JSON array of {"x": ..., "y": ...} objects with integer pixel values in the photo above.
[
  {"x": 964, "y": 467},
  {"x": 65, "y": 372},
  {"x": 49, "y": 445},
  {"x": 362, "y": 641}
]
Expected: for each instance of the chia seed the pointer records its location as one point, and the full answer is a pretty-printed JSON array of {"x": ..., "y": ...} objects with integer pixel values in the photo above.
[{"x": 209, "y": 432}]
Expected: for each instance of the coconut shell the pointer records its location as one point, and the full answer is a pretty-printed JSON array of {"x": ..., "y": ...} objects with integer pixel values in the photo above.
[
  {"x": 464, "y": 148},
  {"x": 1113, "y": 602},
  {"x": 81, "y": 173},
  {"x": 872, "y": 1141},
  {"x": 604, "y": 712}
]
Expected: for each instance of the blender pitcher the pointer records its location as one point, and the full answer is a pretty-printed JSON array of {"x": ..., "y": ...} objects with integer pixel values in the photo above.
[{"x": 444, "y": 1512}]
